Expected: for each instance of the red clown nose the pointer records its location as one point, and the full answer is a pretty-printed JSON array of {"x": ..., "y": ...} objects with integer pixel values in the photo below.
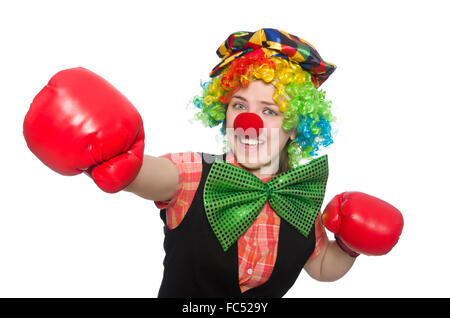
[{"x": 247, "y": 124}]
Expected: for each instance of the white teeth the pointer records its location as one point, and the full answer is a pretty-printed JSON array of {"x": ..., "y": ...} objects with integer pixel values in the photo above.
[{"x": 248, "y": 141}]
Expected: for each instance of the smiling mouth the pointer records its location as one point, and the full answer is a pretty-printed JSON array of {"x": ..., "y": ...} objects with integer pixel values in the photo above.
[{"x": 250, "y": 141}]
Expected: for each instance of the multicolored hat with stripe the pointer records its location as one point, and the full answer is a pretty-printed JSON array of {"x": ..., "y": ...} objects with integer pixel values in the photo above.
[{"x": 271, "y": 43}]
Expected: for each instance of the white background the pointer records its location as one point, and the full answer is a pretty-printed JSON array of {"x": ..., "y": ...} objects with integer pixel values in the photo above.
[{"x": 63, "y": 237}]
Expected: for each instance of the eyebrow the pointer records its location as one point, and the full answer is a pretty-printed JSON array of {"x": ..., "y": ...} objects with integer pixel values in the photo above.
[{"x": 262, "y": 101}]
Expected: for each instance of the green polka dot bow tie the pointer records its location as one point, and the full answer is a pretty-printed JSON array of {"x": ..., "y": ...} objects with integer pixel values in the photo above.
[{"x": 234, "y": 197}]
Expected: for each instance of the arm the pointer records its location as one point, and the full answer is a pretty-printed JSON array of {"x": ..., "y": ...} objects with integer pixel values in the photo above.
[
  {"x": 157, "y": 179},
  {"x": 331, "y": 264}
]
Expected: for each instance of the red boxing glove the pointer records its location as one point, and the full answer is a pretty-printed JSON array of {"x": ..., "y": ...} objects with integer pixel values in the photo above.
[
  {"x": 362, "y": 223},
  {"x": 79, "y": 122}
]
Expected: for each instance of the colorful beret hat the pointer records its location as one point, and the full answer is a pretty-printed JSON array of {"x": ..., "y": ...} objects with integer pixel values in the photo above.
[{"x": 271, "y": 43}]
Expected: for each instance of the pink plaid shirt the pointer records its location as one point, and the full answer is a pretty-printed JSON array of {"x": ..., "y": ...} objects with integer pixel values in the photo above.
[{"x": 257, "y": 247}]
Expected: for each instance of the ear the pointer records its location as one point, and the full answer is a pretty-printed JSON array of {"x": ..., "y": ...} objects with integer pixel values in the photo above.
[{"x": 293, "y": 135}]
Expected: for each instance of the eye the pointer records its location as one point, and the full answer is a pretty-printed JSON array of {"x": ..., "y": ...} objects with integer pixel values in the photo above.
[
  {"x": 238, "y": 106},
  {"x": 270, "y": 112}
]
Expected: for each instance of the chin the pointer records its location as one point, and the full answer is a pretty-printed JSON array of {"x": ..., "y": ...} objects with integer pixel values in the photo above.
[
  {"x": 257, "y": 163},
  {"x": 251, "y": 166}
]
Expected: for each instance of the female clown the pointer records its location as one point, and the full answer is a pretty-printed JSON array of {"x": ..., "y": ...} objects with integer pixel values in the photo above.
[{"x": 243, "y": 223}]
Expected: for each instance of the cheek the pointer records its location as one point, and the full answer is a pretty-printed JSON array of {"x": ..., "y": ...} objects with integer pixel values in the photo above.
[
  {"x": 284, "y": 137},
  {"x": 275, "y": 132},
  {"x": 229, "y": 117},
  {"x": 274, "y": 126},
  {"x": 273, "y": 121}
]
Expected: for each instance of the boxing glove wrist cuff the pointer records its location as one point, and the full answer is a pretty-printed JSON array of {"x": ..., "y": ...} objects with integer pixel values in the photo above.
[{"x": 344, "y": 247}]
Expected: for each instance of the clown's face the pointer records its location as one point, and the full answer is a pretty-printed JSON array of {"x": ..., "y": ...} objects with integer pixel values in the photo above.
[{"x": 259, "y": 155}]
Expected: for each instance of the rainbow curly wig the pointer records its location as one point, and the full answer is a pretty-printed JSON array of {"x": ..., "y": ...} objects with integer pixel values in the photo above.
[{"x": 303, "y": 105}]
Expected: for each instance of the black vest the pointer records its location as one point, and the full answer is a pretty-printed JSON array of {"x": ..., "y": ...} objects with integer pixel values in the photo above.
[{"x": 195, "y": 264}]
